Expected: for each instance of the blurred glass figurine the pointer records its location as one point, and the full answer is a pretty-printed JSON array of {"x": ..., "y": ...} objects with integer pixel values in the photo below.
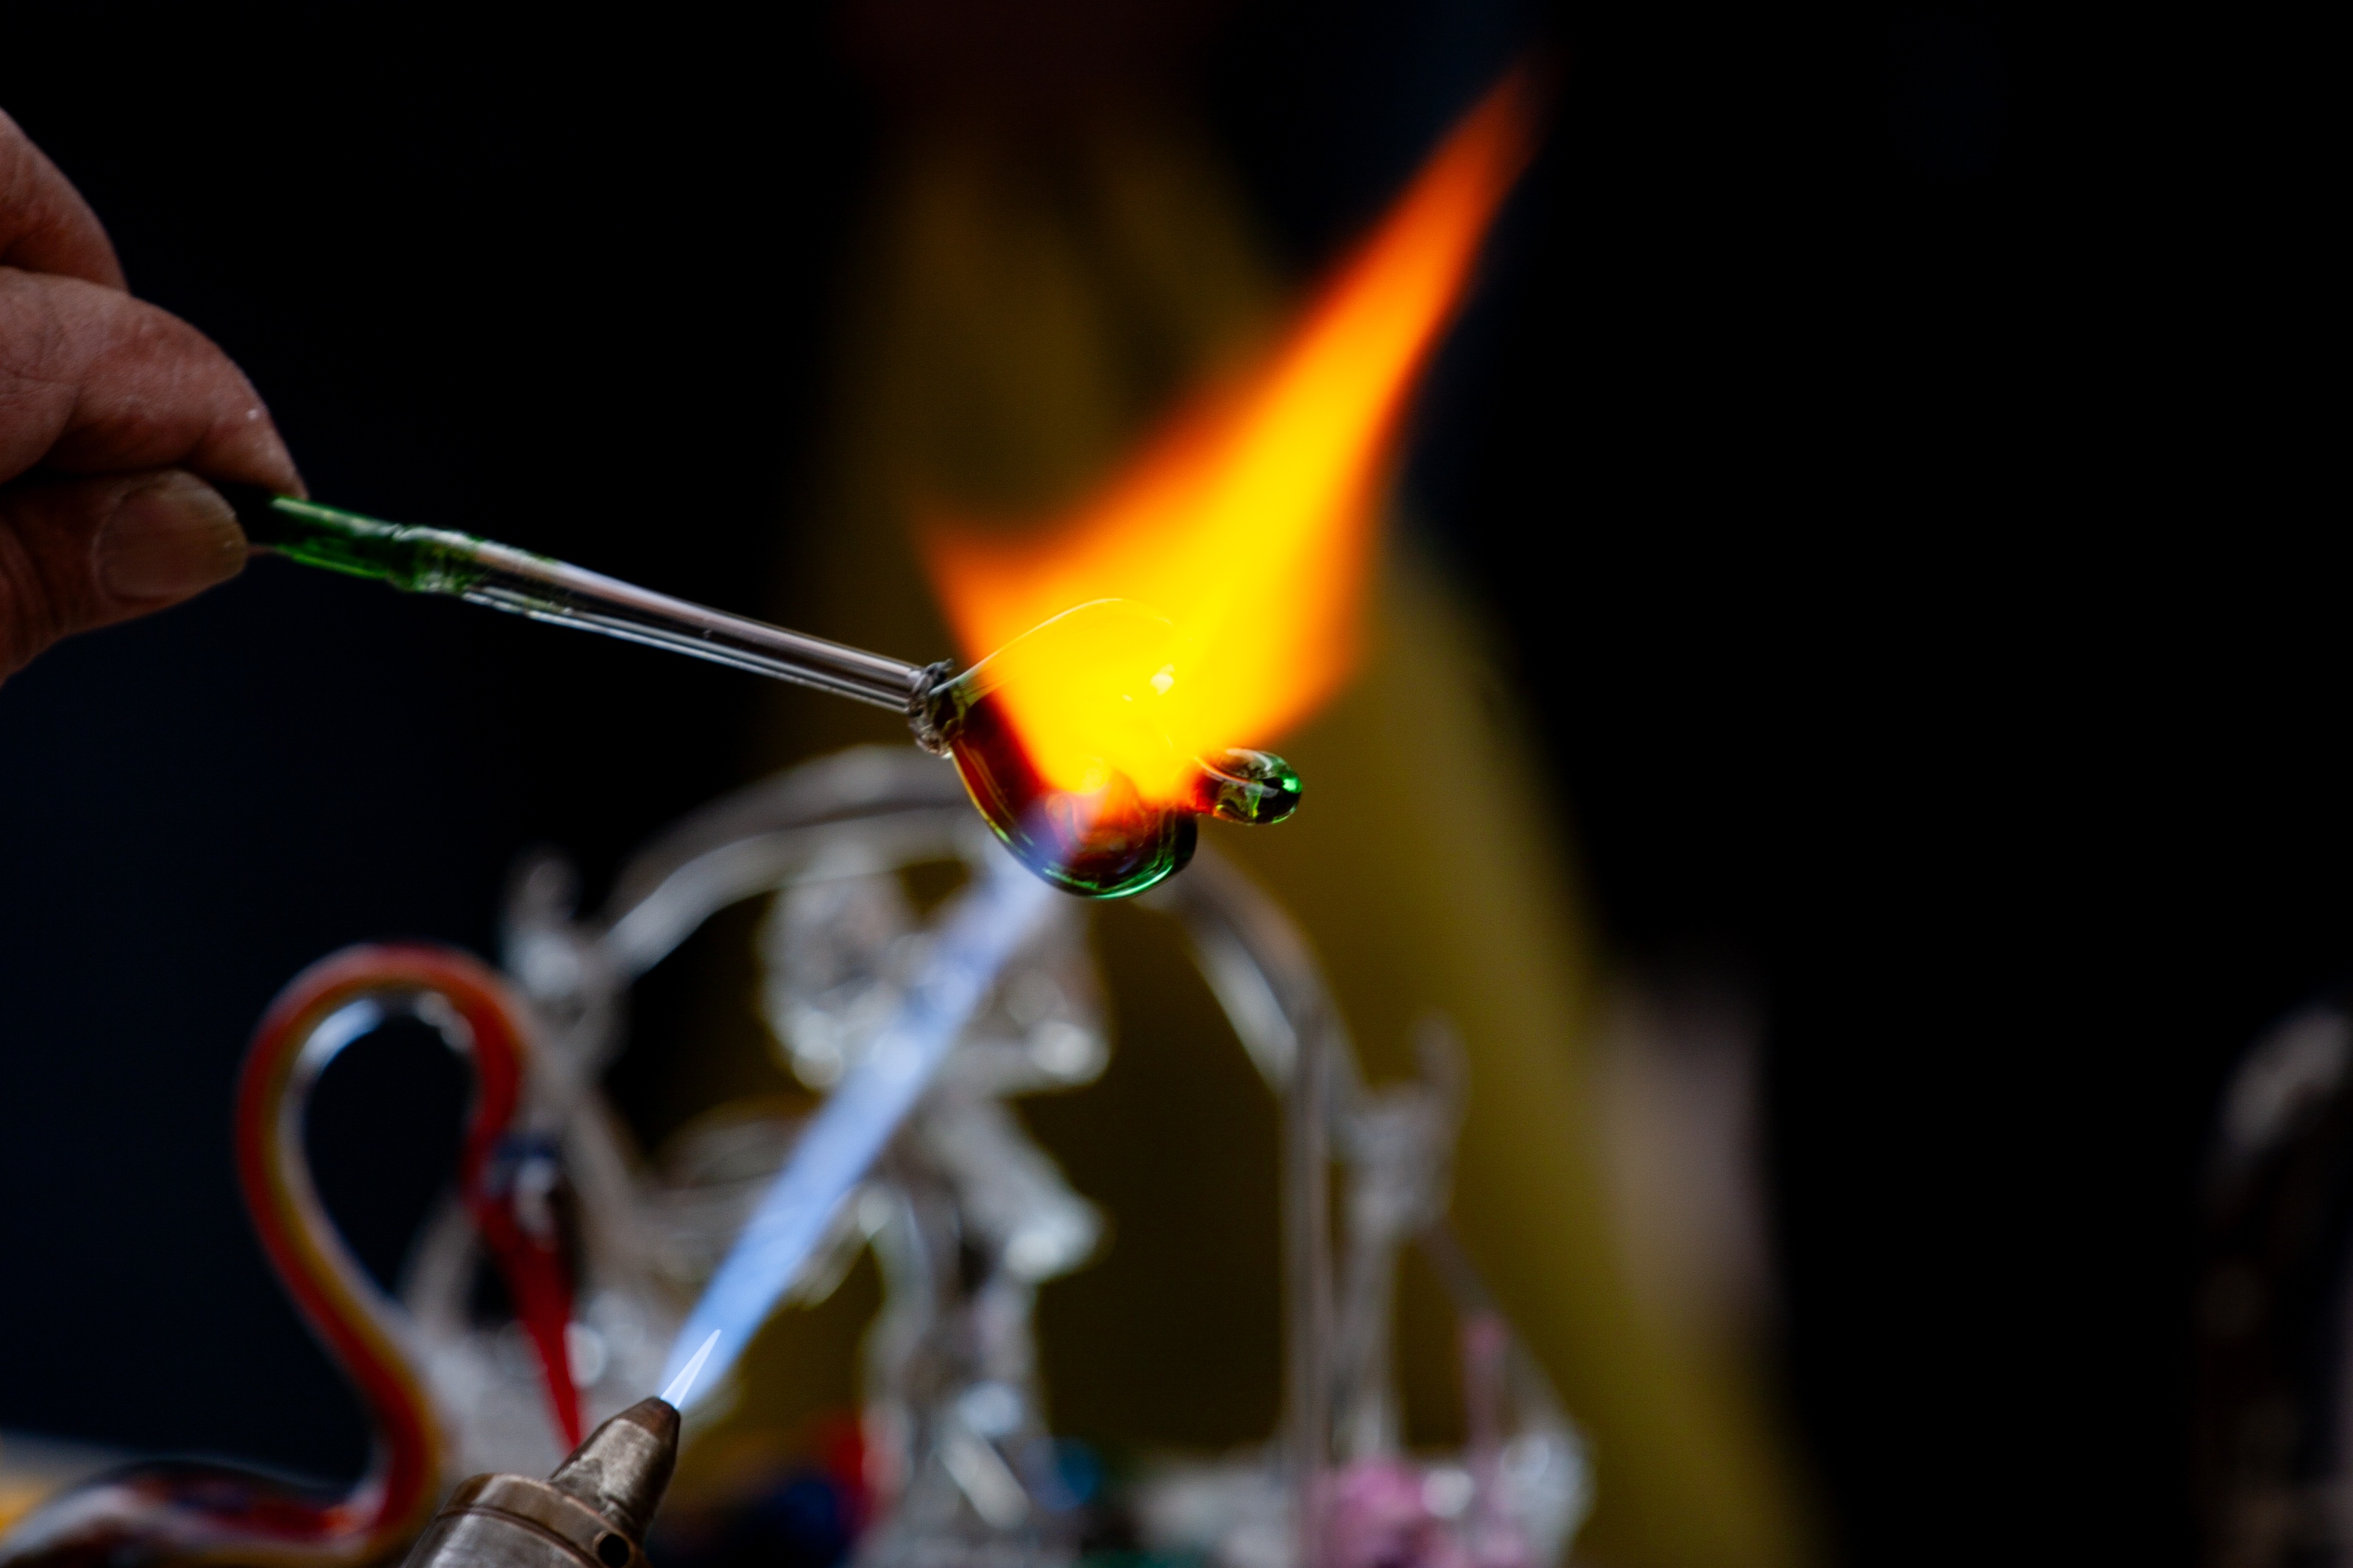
[
  {"x": 588, "y": 1264},
  {"x": 965, "y": 1213},
  {"x": 968, "y": 1215},
  {"x": 183, "y": 1512},
  {"x": 1513, "y": 1497},
  {"x": 598, "y": 1258},
  {"x": 1514, "y": 1494}
]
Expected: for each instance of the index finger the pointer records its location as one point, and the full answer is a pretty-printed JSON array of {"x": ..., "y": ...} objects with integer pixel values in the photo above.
[
  {"x": 45, "y": 226},
  {"x": 95, "y": 382}
]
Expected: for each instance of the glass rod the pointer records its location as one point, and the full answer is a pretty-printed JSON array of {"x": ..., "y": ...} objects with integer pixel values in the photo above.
[{"x": 483, "y": 571}]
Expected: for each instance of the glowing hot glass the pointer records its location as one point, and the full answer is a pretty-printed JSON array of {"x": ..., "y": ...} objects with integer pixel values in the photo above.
[{"x": 1063, "y": 740}]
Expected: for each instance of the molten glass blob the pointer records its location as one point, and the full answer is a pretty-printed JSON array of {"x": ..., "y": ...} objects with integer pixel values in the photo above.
[{"x": 1062, "y": 739}]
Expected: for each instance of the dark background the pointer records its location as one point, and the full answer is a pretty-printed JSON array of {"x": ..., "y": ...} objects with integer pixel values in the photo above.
[{"x": 1888, "y": 442}]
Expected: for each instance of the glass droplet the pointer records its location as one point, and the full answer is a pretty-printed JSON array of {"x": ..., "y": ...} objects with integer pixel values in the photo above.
[{"x": 1253, "y": 788}]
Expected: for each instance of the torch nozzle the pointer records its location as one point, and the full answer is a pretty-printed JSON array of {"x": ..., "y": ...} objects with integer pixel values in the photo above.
[
  {"x": 591, "y": 1513},
  {"x": 624, "y": 1467}
]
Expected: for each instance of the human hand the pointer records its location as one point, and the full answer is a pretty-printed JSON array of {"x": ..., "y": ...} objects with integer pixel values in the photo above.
[{"x": 112, "y": 415}]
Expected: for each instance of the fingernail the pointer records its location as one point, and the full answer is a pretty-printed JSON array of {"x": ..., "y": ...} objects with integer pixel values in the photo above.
[{"x": 167, "y": 539}]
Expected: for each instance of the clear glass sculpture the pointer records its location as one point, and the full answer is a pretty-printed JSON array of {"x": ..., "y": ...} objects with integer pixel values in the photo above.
[
  {"x": 966, "y": 1216},
  {"x": 975, "y": 1215},
  {"x": 507, "y": 1205},
  {"x": 1339, "y": 1492}
]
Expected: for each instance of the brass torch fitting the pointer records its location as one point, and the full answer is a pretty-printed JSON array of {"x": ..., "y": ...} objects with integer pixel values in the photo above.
[{"x": 591, "y": 1513}]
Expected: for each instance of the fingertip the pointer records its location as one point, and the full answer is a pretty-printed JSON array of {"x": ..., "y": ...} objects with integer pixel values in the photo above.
[
  {"x": 253, "y": 452},
  {"x": 167, "y": 539}
]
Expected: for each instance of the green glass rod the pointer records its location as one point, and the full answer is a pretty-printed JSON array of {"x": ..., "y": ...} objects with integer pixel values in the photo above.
[{"x": 484, "y": 572}]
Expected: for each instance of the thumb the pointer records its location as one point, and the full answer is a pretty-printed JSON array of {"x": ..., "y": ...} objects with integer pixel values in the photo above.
[{"x": 80, "y": 554}]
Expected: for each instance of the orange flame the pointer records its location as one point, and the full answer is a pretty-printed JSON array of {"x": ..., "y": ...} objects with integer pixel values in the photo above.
[{"x": 1250, "y": 520}]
